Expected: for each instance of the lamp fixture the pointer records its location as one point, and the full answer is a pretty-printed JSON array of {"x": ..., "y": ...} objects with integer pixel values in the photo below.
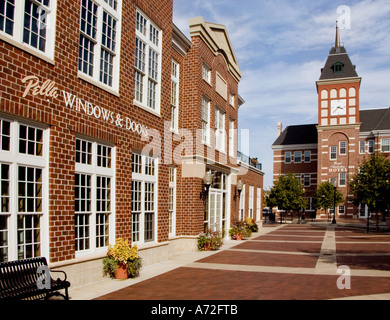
[
  {"x": 207, "y": 181},
  {"x": 240, "y": 185}
]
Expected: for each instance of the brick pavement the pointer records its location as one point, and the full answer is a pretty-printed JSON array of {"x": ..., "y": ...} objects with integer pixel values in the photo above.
[{"x": 290, "y": 262}]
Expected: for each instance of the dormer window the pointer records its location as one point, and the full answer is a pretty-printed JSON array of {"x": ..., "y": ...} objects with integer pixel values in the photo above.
[{"x": 338, "y": 67}]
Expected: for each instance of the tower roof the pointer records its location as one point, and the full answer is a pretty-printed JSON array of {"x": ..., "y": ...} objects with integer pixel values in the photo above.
[{"x": 338, "y": 64}]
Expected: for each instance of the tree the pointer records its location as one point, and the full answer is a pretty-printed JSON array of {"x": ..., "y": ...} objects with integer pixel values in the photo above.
[
  {"x": 287, "y": 194},
  {"x": 324, "y": 197},
  {"x": 371, "y": 184}
]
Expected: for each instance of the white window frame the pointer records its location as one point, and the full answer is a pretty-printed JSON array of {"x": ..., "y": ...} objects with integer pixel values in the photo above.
[
  {"x": 333, "y": 153},
  {"x": 220, "y": 130},
  {"x": 99, "y": 47},
  {"x": 232, "y": 99},
  {"x": 342, "y": 179},
  {"x": 307, "y": 180},
  {"x": 145, "y": 179},
  {"x": 95, "y": 171},
  {"x": 241, "y": 206},
  {"x": 48, "y": 17},
  {"x": 206, "y": 103},
  {"x": 385, "y": 144},
  {"x": 258, "y": 204},
  {"x": 343, "y": 148},
  {"x": 287, "y": 156},
  {"x": 371, "y": 146},
  {"x": 206, "y": 73},
  {"x": 172, "y": 201},
  {"x": 232, "y": 138},
  {"x": 175, "y": 87},
  {"x": 298, "y": 157},
  {"x": 341, "y": 210},
  {"x": 307, "y": 155},
  {"x": 15, "y": 160},
  {"x": 251, "y": 201},
  {"x": 148, "y": 97},
  {"x": 362, "y": 147}
]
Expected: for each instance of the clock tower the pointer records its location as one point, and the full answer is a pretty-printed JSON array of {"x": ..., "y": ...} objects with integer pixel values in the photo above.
[{"x": 338, "y": 122}]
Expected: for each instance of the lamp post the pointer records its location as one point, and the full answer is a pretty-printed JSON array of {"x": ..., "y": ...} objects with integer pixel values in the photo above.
[
  {"x": 240, "y": 185},
  {"x": 303, "y": 209},
  {"x": 334, "y": 182}
]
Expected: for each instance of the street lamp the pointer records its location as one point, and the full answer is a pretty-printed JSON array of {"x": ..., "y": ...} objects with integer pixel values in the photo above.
[
  {"x": 334, "y": 183},
  {"x": 240, "y": 185},
  {"x": 207, "y": 181},
  {"x": 303, "y": 209}
]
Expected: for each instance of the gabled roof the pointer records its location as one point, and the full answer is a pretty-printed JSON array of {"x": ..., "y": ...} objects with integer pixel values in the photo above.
[
  {"x": 217, "y": 39},
  {"x": 296, "y": 135},
  {"x": 375, "y": 119}
]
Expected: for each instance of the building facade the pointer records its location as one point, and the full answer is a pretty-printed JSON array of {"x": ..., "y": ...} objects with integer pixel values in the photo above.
[
  {"x": 333, "y": 149},
  {"x": 108, "y": 124}
]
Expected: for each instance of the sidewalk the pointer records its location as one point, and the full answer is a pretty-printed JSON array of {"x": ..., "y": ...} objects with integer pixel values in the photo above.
[{"x": 280, "y": 262}]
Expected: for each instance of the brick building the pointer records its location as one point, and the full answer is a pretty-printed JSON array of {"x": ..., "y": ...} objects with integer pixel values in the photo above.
[
  {"x": 109, "y": 119},
  {"x": 332, "y": 149}
]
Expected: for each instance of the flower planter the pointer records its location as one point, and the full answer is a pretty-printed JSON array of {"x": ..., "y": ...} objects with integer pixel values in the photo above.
[
  {"x": 121, "y": 272},
  {"x": 207, "y": 247}
]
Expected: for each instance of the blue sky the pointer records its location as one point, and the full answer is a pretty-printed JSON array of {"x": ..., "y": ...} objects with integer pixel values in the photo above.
[{"x": 281, "y": 47}]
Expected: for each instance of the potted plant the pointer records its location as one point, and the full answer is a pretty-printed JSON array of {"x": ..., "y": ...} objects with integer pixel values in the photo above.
[
  {"x": 239, "y": 231},
  {"x": 122, "y": 260},
  {"x": 251, "y": 224},
  {"x": 210, "y": 241}
]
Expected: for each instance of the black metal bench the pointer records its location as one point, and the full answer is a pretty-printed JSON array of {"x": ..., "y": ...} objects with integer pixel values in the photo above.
[{"x": 30, "y": 279}]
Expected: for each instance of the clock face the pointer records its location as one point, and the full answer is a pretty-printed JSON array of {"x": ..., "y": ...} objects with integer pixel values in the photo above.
[{"x": 338, "y": 107}]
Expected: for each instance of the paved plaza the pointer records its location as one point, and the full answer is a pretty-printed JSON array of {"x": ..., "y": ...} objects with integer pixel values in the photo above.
[{"x": 281, "y": 262}]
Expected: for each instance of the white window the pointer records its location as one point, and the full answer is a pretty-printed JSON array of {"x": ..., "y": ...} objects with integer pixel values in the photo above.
[
  {"x": 343, "y": 147},
  {"x": 205, "y": 121},
  {"x": 333, "y": 153},
  {"x": 232, "y": 99},
  {"x": 242, "y": 204},
  {"x": 29, "y": 24},
  {"x": 371, "y": 146},
  {"x": 172, "y": 201},
  {"x": 231, "y": 138},
  {"x": 144, "y": 198},
  {"x": 385, "y": 145},
  {"x": 297, "y": 156},
  {"x": 148, "y": 51},
  {"x": 307, "y": 156},
  {"x": 362, "y": 147},
  {"x": 307, "y": 180},
  {"x": 250, "y": 201},
  {"x": 23, "y": 190},
  {"x": 94, "y": 196},
  {"x": 341, "y": 210},
  {"x": 287, "y": 157},
  {"x": 219, "y": 130},
  {"x": 206, "y": 73},
  {"x": 175, "y": 74},
  {"x": 258, "y": 203},
  {"x": 99, "y": 42},
  {"x": 342, "y": 179}
]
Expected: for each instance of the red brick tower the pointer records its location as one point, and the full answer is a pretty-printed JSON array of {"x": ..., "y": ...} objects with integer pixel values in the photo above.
[{"x": 338, "y": 122}]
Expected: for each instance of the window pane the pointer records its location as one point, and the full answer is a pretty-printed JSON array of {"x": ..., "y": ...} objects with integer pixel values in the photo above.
[
  {"x": 7, "y": 12},
  {"x": 35, "y": 25}
]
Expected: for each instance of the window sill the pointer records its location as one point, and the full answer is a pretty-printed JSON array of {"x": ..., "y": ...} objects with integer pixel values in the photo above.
[
  {"x": 98, "y": 84},
  {"x": 47, "y": 58},
  {"x": 147, "y": 109}
]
